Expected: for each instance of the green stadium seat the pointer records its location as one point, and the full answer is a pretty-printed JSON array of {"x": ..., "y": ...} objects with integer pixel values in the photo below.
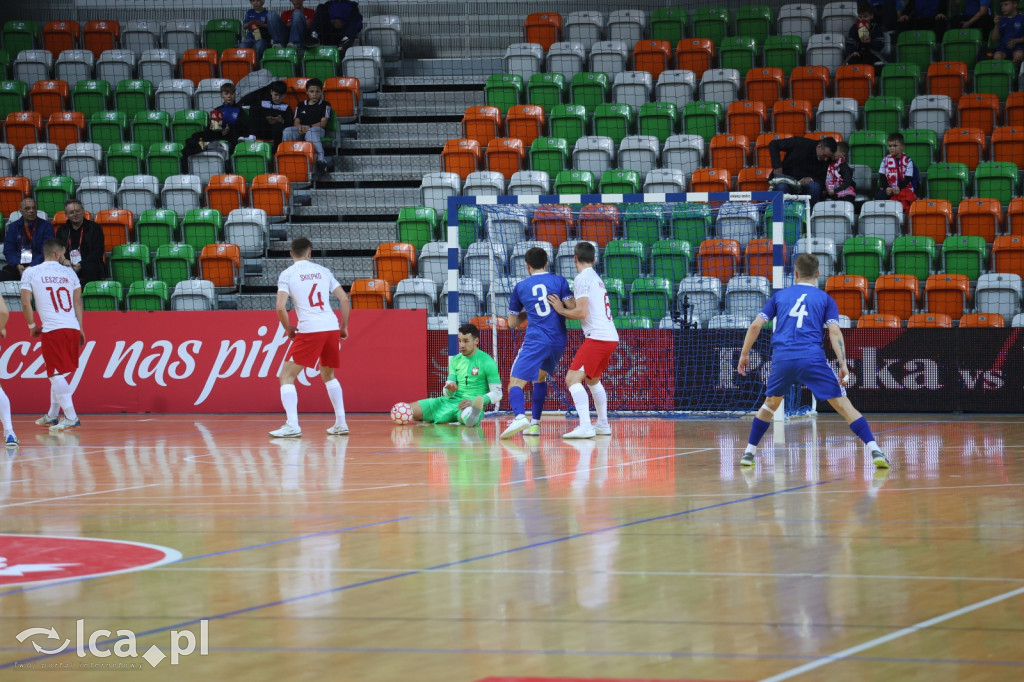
[
  {"x": 133, "y": 96},
  {"x": 964, "y": 255},
  {"x": 660, "y": 119},
  {"x": 546, "y": 90},
  {"x": 616, "y": 291},
  {"x": 471, "y": 225},
  {"x": 52, "y": 191},
  {"x": 569, "y": 122},
  {"x": 222, "y": 34},
  {"x": 709, "y": 22},
  {"x": 996, "y": 180},
  {"x": 107, "y": 128},
  {"x": 282, "y": 62},
  {"x": 644, "y": 223},
  {"x": 916, "y": 47},
  {"x": 671, "y": 259},
  {"x": 147, "y": 295},
  {"x": 91, "y": 97},
  {"x": 755, "y": 21},
  {"x": 164, "y": 160},
  {"x": 589, "y": 89},
  {"x": 994, "y": 77},
  {"x": 867, "y": 147},
  {"x": 504, "y": 90},
  {"x": 947, "y": 181},
  {"x": 632, "y": 322},
  {"x": 151, "y": 127},
  {"x": 12, "y": 97},
  {"x": 620, "y": 181},
  {"x": 690, "y": 223},
  {"x": 901, "y": 81},
  {"x": 124, "y": 159},
  {"x": 702, "y": 118},
  {"x": 549, "y": 154},
  {"x": 793, "y": 223},
  {"x": 961, "y": 45},
  {"x": 156, "y": 227},
  {"x": 321, "y": 62},
  {"x": 251, "y": 159},
  {"x": 650, "y": 297},
  {"x": 783, "y": 52},
  {"x": 920, "y": 145},
  {"x": 574, "y": 182},
  {"x": 669, "y": 23},
  {"x": 20, "y": 35},
  {"x": 883, "y": 113},
  {"x": 624, "y": 260},
  {"x": 913, "y": 256},
  {"x": 864, "y": 256},
  {"x": 102, "y": 295},
  {"x": 417, "y": 225},
  {"x": 614, "y": 121},
  {"x": 129, "y": 263},
  {"x": 5, "y": 64},
  {"x": 738, "y": 52},
  {"x": 186, "y": 123},
  {"x": 173, "y": 263},
  {"x": 201, "y": 226}
]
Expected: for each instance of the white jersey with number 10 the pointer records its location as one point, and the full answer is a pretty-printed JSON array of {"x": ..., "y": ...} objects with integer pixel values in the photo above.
[
  {"x": 310, "y": 286},
  {"x": 53, "y": 286},
  {"x": 598, "y": 323}
]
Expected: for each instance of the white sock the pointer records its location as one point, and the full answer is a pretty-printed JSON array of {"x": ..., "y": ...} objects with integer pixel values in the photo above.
[
  {"x": 872, "y": 446},
  {"x": 334, "y": 393},
  {"x": 63, "y": 392},
  {"x": 752, "y": 449},
  {"x": 533, "y": 421},
  {"x": 290, "y": 401},
  {"x": 600, "y": 402},
  {"x": 54, "y": 410},
  {"x": 582, "y": 403},
  {"x": 5, "y": 412}
]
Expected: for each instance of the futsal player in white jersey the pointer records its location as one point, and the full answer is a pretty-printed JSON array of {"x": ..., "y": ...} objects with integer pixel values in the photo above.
[
  {"x": 590, "y": 306},
  {"x": 315, "y": 339},
  {"x": 10, "y": 439},
  {"x": 58, "y": 297}
]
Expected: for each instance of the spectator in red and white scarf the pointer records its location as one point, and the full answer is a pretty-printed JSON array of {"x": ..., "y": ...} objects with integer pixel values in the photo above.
[
  {"x": 897, "y": 175},
  {"x": 839, "y": 185}
]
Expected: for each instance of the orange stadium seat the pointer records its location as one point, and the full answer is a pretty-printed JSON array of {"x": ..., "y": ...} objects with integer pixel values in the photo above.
[
  {"x": 762, "y": 158},
  {"x": 343, "y": 95},
  {"x": 99, "y": 36},
  {"x": 295, "y": 160},
  {"x": 1008, "y": 145},
  {"x": 980, "y": 110},
  {"x": 48, "y": 97},
  {"x": 856, "y": 81},
  {"x": 810, "y": 83},
  {"x": 759, "y": 255},
  {"x": 1014, "y": 109},
  {"x": 792, "y": 116},
  {"x": 296, "y": 91},
  {"x": 543, "y": 28},
  {"x": 729, "y": 152},
  {"x": 370, "y": 294},
  {"x": 947, "y": 293},
  {"x": 59, "y": 36},
  {"x": 1008, "y": 254},
  {"x": 118, "y": 225},
  {"x": 237, "y": 62},
  {"x": 652, "y": 56},
  {"x": 198, "y": 64},
  {"x": 461, "y": 157},
  {"x": 221, "y": 264},
  {"x": 766, "y": 85},
  {"x": 1015, "y": 217},
  {"x": 878, "y": 322},
  {"x": 13, "y": 189},
  {"x": 599, "y": 223},
  {"x": 394, "y": 261},
  {"x": 22, "y": 128},
  {"x": 850, "y": 293},
  {"x": 484, "y": 322},
  {"x": 753, "y": 180},
  {"x": 65, "y": 127},
  {"x": 947, "y": 78},
  {"x": 982, "y": 320},
  {"x": 930, "y": 320},
  {"x": 747, "y": 118},
  {"x": 896, "y": 295},
  {"x": 525, "y": 122},
  {"x": 226, "y": 193},
  {"x": 505, "y": 155},
  {"x": 553, "y": 224},
  {"x": 719, "y": 258},
  {"x": 964, "y": 145},
  {"x": 695, "y": 54},
  {"x": 822, "y": 134},
  {"x": 481, "y": 123},
  {"x": 272, "y": 193},
  {"x": 980, "y": 217},
  {"x": 931, "y": 218},
  {"x": 711, "y": 180},
  {"x": 60, "y": 217}
]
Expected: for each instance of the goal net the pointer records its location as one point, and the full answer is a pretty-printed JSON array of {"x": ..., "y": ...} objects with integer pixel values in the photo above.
[{"x": 685, "y": 275}]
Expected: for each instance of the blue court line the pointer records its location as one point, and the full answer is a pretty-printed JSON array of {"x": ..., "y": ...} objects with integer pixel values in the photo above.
[
  {"x": 420, "y": 571},
  {"x": 336, "y": 531}
]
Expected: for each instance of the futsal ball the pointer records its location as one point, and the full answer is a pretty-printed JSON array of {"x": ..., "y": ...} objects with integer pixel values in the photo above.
[{"x": 401, "y": 413}]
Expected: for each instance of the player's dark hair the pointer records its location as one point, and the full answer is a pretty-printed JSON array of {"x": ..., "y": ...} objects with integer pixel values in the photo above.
[
  {"x": 585, "y": 252},
  {"x": 537, "y": 258},
  {"x": 806, "y": 264},
  {"x": 828, "y": 143},
  {"x": 228, "y": 87},
  {"x": 52, "y": 246},
  {"x": 301, "y": 246},
  {"x": 470, "y": 329},
  {"x": 843, "y": 148},
  {"x": 280, "y": 87}
]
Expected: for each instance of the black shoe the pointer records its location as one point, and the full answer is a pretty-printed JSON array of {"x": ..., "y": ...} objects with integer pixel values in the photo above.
[{"x": 321, "y": 168}]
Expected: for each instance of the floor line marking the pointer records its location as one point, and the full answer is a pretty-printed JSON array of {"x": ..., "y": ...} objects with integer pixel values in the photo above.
[{"x": 68, "y": 497}]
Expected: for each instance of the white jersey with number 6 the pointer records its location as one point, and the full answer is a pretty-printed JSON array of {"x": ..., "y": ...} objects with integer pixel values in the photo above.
[
  {"x": 598, "y": 323},
  {"x": 53, "y": 286},
  {"x": 310, "y": 286}
]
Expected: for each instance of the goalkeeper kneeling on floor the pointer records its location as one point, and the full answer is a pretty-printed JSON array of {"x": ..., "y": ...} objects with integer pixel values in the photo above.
[{"x": 473, "y": 381}]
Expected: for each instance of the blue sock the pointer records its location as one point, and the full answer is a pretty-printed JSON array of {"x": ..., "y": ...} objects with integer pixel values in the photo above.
[
  {"x": 516, "y": 400},
  {"x": 757, "y": 429},
  {"x": 540, "y": 394},
  {"x": 863, "y": 431}
]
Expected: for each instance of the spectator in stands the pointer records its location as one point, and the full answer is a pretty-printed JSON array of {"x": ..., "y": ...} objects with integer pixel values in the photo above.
[
  {"x": 972, "y": 14},
  {"x": 865, "y": 39},
  {"x": 299, "y": 22},
  {"x": 885, "y": 13},
  {"x": 311, "y": 118},
  {"x": 805, "y": 165},
  {"x": 1008, "y": 35},
  {"x": 228, "y": 122},
  {"x": 839, "y": 185},
  {"x": 262, "y": 27},
  {"x": 924, "y": 15},
  {"x": 898, "y": 175},
  {"x": 337, "y": 22},
  {"x": 84, "y": 244},
  {"x": 23, "y": 244},
  {"x": 271, "y": 115}
]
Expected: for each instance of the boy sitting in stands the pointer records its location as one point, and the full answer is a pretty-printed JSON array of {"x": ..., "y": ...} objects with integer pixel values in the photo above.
[
  {"x": 898, "y": 175},
  {"x": 839, "y": 185}
]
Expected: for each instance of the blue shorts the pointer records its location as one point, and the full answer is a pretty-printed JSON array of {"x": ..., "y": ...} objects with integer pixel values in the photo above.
[
  {"x": 535, "y": 356},
  {"x": 815, "y": 374}
]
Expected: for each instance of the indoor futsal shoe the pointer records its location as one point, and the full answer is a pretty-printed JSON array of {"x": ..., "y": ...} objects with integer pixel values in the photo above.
[
  {"x": 475, "y": 411},
  {"x": 12, "y": 441},
  {"x": 287, "y": 431},
  {"x": 532, "y": 430},
  {"x": 520, "y": 423},
  {"x": 65, "y": 423},
  {"x": 747, "y": 460},
  {"x": 47, "y": 420},
  {"x": 603, "y": 429},
  {"x": 879, "y": 459},
  {"x": 338, "y": 430},
  {"x": 580, "y": 432}
]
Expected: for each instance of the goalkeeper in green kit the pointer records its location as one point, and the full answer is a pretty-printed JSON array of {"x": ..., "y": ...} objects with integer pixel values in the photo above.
[{"x": 472, "y": 382}]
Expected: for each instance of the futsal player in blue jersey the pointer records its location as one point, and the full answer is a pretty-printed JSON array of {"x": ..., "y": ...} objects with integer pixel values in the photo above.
[
  {"x": 544, "y": 343},
  {"x": 801, "y": 312}
]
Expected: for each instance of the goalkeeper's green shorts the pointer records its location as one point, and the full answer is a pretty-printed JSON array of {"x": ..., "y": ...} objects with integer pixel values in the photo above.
[{"x": 441, "y": 410}]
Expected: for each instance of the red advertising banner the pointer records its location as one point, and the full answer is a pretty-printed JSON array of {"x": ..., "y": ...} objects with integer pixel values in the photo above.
[{"x": 224, "y": 361}]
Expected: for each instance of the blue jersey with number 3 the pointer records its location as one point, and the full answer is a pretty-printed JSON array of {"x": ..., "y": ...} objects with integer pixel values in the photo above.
[
  {"x": 801, "y": 312},
  {"x": 531, "y": 295}
]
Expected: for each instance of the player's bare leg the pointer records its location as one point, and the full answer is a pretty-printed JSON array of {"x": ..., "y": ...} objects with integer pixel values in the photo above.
[
  {"x": 574, "y": 380},
  {"x": 334, "y": 392},
  {"x": 290, "y": 401},
  {"x": 859, "y": 425}
]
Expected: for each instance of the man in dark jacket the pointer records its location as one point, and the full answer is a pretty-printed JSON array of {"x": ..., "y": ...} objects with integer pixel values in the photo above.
[
  {"x": 337, "y": 22},
  {"x": 806, "y": 161},
  {"x": 23, "y": 244},
  {"x": 84, "y": 244}
]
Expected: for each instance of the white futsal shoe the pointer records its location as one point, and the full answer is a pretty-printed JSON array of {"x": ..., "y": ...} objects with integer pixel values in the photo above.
[
  {"x": 338, "y": 430},
  {"x": 287, "y": 431},
  {"x": 520, "y": 423},
  {"x": 580, "y": 432},
  {"x": 603, "y": 429}
]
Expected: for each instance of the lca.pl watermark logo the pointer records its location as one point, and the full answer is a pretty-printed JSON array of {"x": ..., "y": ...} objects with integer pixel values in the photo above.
[{"x": 183, "y": 643}]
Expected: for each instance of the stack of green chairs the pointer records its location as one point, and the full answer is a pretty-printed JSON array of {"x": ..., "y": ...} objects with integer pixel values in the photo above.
[
  {"x": 994, "y": 77},
  {"x": 913, "y": 256},
  {"x": 644, "y": 223},
  {"x": 702, "y": 118},
  {"x": 186, "y": 123},
  {"x": 124, "y": 159},
  {"x": 901, "y": 81},
  {"x": 107, "y": 128},
  {"x": 20, "y": 35},
  {"x": 864, "y": 256},
  {"x": 151, "y": 127},
  {"x": 755, "y": 21},
  {"x": 417, "y": 225},
  {"x": 660, "y": 119},
  {"x": 129, "y": 263},
  {"x": 620, "y": 181},
  {"x": 200, "y": 227},
  {"x": 739, "y": 52},
  {"x": 669, "y": 24},
  {"x": 91, "y": 97},
  {"x": 504, "y": 90},
  {"x": 783, "y": 52},
  {"x": 282, "y": 62},
  {"x": 690, "y": 223},
  {"x": 590, "y": 89},
  {"x": 650, "y": 297},
  {"x": 623, "y": 260},
  {"x": 614, "y": 121},
  {"x": 671, "y": 259},
  {"x": 962, "y": 45},
  {"x": 920, "y": 144},
  {"x": 164, "y": 160},
  {"x": 12, "y": 97},
  {"x": 149, "y": 295},
  {"x": 549, "y": 154},
  {"x": 569, "y": 122},
  {"x": 916, "y": 47},
  {"x": 251, "y": 159},
  {"x": 173, "y": 263},
  {"x": 156, "y": 227},
  {"x": 546, "y": 90},
  {"x": 471, "y": 225},
  {"x": 574, "y": 182},
  {"x": 632, "y": 322},
  {"x": 867, "y": 147},
  {"x": 710, "y": 22},
  {"x": 964, "y": 255},
  {"x": 102, "y": 295},
  {"x": 222, "y": 34},
  {"x": 996, "y": 180},
  {"x": 616, "y": 291},
  {"x": 793, "y": 223},
  {"x": 321, "y": 62},
  {"x": 133, "y": 96},
  {"x": 947, "y": 181},
  {"x": 52, "y": 191},
  {"x": 883, "y": 113}
]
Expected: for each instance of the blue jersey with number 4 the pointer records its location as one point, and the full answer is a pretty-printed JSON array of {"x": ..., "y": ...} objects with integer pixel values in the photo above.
[
  {"x": 531, "y": 294},
  {"x": 801, "y": 312}
]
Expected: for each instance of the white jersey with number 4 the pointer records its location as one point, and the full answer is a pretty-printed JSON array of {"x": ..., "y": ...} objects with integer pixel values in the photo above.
[
  {"x": 53, "y": 286},
  {"x": 310, "y": 286},
  {"x": 598, "y": 323}
]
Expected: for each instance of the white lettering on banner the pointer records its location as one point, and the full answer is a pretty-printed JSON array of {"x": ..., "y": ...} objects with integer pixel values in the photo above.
[
  {"x": 152, "y": 365},
  {"x": 238, "y": 353},
  {"x": 21, "y": 347},
  {"x": 187, "y": 362},
  {"x": 83, "y": 360},
  {"x": 991, "y": 379}
]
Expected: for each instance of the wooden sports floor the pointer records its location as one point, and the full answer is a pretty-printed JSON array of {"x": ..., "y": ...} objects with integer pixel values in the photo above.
[{"x": 438, "y": 554}]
